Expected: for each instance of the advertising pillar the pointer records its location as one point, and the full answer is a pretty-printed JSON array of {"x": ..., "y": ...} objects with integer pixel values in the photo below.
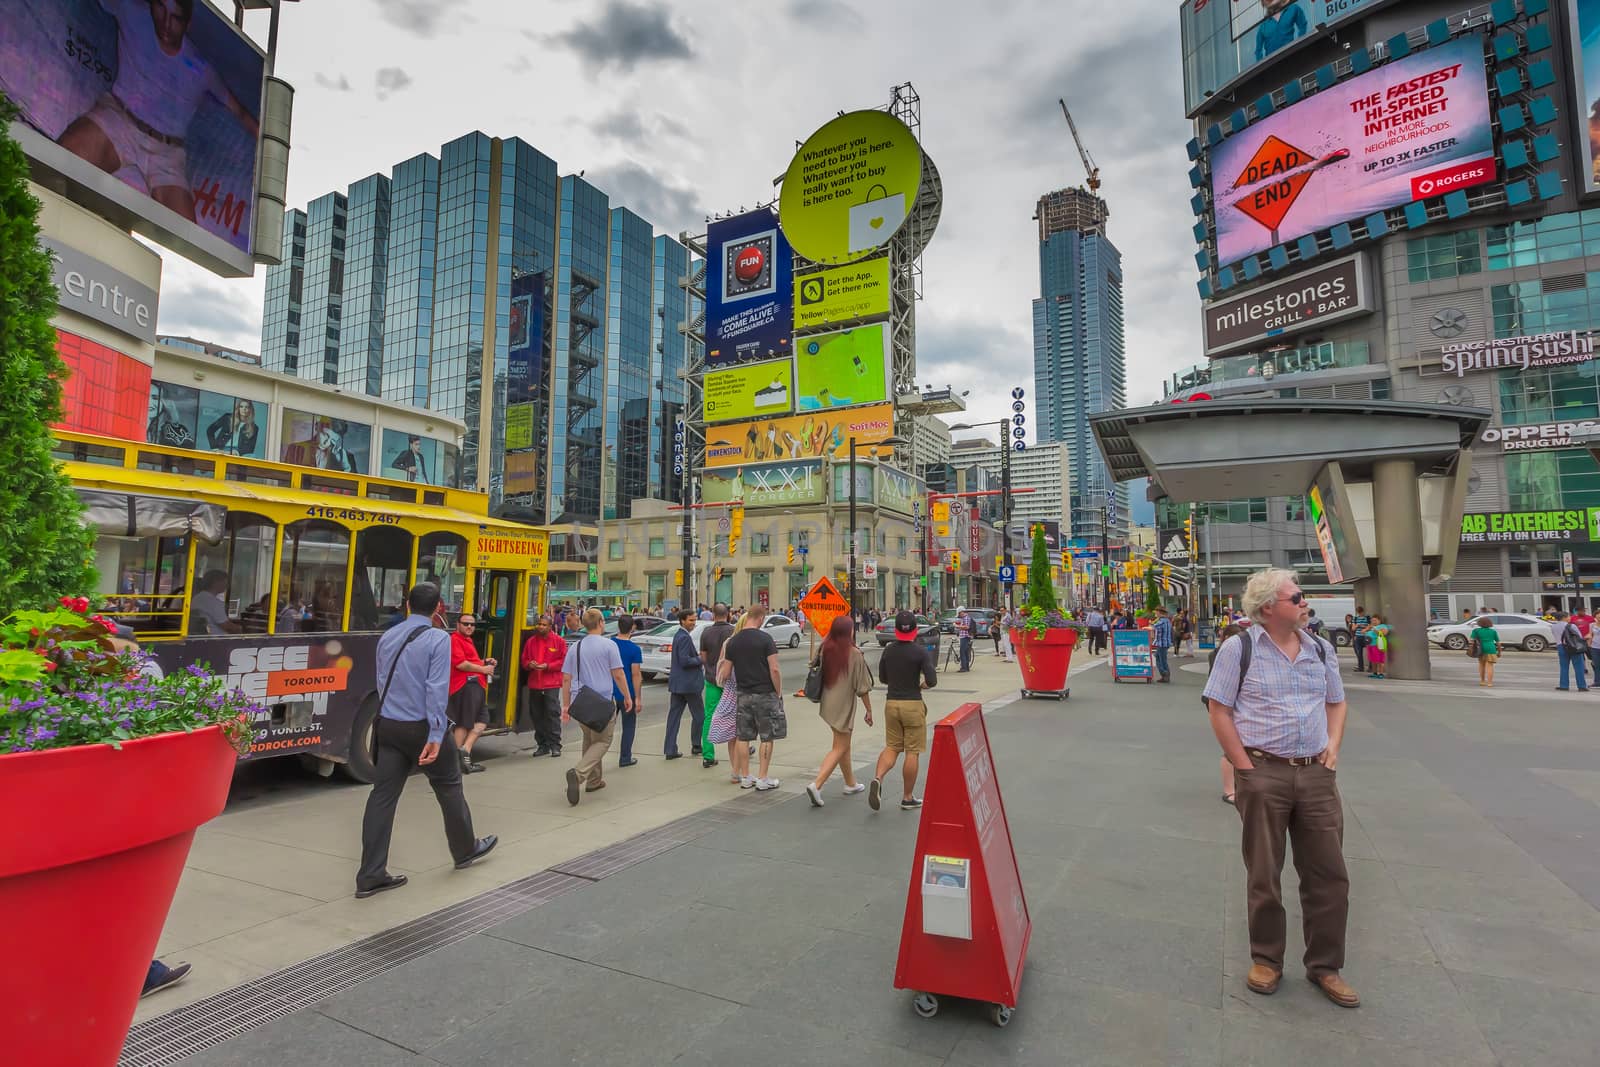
[{"x": 1402, "y": 575}]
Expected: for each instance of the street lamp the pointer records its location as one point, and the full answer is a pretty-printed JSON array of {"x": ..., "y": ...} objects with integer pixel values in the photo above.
[{"x": 1005, "y": 488}]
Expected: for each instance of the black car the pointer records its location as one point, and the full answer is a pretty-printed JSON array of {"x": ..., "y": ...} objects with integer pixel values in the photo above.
[
  {"x": 981, "y": 619},
  {"x": 927, "y": 631}
]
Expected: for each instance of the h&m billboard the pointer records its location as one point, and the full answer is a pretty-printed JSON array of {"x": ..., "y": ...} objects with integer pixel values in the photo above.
[
  {"x": 1413, "y": 128},
  {"x": 1313, "y": 298},
  {"x": 749, "y": 282},
  {"x": 152, "y": 109}
]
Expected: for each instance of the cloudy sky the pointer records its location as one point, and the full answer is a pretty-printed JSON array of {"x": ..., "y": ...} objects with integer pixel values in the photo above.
[{"x": 686, "y": 108}]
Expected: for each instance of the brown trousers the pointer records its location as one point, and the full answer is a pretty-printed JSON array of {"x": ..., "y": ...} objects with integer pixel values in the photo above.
[
  {"x": 595, "y": 745},
  {"x": 1274, "y": 799}
]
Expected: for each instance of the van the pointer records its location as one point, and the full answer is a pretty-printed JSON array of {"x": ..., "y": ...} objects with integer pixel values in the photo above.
[{"x": 1332, "y": 610}]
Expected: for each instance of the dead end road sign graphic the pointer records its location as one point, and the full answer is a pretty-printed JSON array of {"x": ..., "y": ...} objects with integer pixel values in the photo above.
[{"x": 1274, "y": 178}]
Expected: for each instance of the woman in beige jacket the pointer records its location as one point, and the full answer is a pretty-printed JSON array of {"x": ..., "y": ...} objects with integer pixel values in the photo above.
[{"x": 845, "y": 678}]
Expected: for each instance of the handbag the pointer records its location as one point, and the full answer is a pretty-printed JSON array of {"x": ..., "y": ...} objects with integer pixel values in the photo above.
[
  {"x": 725, "y": 718},
  {"x": 589, "y": 708},
  {"x": 1474, "y": 648},
  {"x": 813, "y": 686}
]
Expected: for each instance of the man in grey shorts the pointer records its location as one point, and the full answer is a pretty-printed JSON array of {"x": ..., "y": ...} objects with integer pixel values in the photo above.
[{"x": 750, "y": 657}]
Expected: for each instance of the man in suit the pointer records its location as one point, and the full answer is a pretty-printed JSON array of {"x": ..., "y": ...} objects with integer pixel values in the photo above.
[{"x": 686, "y": 683}]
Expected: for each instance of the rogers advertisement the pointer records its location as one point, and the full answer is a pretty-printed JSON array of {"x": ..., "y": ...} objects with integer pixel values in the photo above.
[{"x": 1417, "y": 127}]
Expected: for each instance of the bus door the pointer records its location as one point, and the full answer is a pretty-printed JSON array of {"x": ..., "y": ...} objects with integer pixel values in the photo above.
[{"x": 499, "y": 637}]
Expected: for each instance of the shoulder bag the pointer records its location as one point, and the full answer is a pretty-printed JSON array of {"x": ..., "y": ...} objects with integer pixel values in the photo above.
[
  {"x": 589, "y": 708},
  {"x": 813, "y": 687},
  {"x": 1474, "y": 647}
]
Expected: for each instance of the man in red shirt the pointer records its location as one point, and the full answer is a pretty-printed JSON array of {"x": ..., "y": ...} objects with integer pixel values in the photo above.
[
  {"x": 542, "y": 657},
  {"x": 1583, "y": 621}
]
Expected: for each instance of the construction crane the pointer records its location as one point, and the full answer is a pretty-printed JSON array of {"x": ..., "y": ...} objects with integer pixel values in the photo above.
[{"x": 1083, "y": 153}]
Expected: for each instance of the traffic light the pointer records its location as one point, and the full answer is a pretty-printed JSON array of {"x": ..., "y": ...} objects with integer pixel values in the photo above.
[
  {"x": 1188, "y": 534},
  {"x": 677, "y": 578},
  {"x": 1066, "y": 560},
  {"x": 717, "y": 573},
  {"x": 791, "y": 555},
  {"x": 955, "y": 559},
  {"x": 735, "y": 529}
]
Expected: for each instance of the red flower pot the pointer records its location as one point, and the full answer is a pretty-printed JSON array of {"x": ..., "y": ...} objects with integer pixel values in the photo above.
[
  {"x": 1044, "y": 659},
  {"x": 90, "y": 854}
]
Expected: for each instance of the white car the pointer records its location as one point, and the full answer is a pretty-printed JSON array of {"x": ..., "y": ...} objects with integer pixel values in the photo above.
[
  {"x": 783, "y": 631},
  {"x": 1528, "y": 632},
  {"x": 656, "y": 648}
]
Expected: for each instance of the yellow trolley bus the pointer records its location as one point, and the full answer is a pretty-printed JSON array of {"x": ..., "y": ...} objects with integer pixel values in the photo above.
[{"x": 310, "y": 567}]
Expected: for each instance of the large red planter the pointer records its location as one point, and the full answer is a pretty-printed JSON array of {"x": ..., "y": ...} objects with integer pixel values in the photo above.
[
  {"x": 91, "y": 847},
  {"x": 1044, "y": 659}
]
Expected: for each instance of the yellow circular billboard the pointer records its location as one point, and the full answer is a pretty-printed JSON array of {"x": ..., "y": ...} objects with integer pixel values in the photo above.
[{"x": 850, "y": 187}]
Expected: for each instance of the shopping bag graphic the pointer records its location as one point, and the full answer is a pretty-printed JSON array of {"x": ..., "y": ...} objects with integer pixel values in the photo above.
[{"x": 875, "y": 219}]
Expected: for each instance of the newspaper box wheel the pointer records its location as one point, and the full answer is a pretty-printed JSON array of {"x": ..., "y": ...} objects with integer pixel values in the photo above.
[
  {"x": 925, "y": 1005},
  {"x": 1000, "y": 1015}
]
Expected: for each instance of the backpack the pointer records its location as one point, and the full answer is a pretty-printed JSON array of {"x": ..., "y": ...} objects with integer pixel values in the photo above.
[
  {"x": 1573, "y": 641},
  {"x": 1245, "y": 651}
]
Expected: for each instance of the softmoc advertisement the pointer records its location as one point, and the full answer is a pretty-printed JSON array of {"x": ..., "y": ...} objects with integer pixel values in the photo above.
[
  {"x": 1417, "y": 127},
  {"x": 818, "y": 436}
]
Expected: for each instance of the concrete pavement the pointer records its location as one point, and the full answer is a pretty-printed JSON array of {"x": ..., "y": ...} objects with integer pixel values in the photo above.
[{"x": 771, "y": 936}]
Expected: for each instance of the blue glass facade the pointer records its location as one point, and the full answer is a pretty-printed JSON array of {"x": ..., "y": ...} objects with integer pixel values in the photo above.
[
  {"x": 365, "y": 277},
  {"x": 577, "y": 383},
  {"x": 1079, "y": 360},
  {"x": 460, "y": 280},
  {"x": 322, "y": 302},
  {"x": 630, "y": 339},
  {"x": 280, "y": 312},
  {"x": 408, "y": 303},
  {"x": 669, "y": 356}
]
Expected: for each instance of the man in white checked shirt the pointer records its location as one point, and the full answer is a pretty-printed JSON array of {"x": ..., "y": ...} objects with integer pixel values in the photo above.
[{"x": 1280, "y": 725}]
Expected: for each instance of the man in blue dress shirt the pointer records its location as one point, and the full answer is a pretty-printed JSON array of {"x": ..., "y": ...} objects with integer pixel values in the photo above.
[
  {"x": 413, "y": 730},
  {"x": 1282, "y": 21}
]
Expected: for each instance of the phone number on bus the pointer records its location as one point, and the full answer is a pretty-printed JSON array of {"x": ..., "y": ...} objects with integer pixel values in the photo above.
[{"x": 317, "y": 511}]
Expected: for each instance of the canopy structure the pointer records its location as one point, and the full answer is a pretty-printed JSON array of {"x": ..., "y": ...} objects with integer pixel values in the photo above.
[
  {"x": 145, "y": 515},
  {"x": 1273, "y": 446},
  {"x": 1216, "y": 450}
]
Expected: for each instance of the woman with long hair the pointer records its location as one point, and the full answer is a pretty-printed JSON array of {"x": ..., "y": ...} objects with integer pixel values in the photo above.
[{"x": 845, "y": 677}]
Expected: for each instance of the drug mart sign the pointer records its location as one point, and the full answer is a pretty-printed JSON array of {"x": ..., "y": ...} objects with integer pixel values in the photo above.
[{"x": 1539, "y": 435}]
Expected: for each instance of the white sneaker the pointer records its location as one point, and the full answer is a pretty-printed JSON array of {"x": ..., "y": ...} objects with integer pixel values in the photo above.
[
  {"x": 763, "y": 784},
  {"x": 852, "y": 790},
  {"x": 747, "y": 782},
  {"x": 815, "y": 794}
]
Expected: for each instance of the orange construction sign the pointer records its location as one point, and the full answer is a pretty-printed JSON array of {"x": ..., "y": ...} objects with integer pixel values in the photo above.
[
  {"x": 822, "y": 605},
  {"x": 1275, "y": 180}
]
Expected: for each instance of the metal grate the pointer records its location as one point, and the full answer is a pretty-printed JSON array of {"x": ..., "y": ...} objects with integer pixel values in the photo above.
[{"x": 222, "y": 1016}]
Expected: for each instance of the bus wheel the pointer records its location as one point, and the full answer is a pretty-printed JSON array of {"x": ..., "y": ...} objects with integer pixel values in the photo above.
[{"x": 360, "y": 767}]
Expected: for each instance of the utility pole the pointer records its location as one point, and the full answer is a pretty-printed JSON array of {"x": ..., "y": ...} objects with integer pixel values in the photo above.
[
  {"x": 851, "y": 580},
  {"x": 1105, "y": 553},
  {"x": 1005, "y": 503}
]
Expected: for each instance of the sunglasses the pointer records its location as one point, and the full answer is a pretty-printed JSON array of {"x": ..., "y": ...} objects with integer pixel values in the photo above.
[
  {"x": 467, "y": 625},
  {"x": 1297, "y": 599}
]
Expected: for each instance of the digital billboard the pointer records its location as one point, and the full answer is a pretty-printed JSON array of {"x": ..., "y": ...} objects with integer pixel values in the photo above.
[
  {"x": 1586, "y": 73},
  {"x": 765, "y": 485},
  {"x": 1413, "y": 128},
  {"x": 184, "y": 417},
  {"x": 842, "y": 294},
  {"x": 1223, "y": 40},
  {"x": 842, "y": 369},
  {"x": 897, "y": 490},
  {"x": 525, "y": 339},
  {"x": 324, "y": 442},
  {"x": 817, "y": 435},
  {"x": 1328, "y": 509},
  {"x": 152, "y": 107},
  {"x": 749, "y": 275},
  {"x": 850, "y": 187},
  {"x": 749, "y": 391}
]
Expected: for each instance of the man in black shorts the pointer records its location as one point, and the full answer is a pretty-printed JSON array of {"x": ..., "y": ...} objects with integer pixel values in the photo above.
[{"x": 751, "y": 658}]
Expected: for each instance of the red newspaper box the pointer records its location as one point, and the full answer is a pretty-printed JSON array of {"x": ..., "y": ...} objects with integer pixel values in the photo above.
[{"x": 966, "y": 928}]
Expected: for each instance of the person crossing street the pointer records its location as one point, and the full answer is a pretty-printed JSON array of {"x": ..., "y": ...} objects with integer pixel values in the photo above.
[{"x": 1161, "y": 643}]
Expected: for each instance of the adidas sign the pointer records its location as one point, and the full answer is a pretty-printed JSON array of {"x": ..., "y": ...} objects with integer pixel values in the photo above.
[{"x": 1175, "y": 549}]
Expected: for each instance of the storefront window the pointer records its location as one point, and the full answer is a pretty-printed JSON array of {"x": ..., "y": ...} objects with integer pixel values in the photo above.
[
  {"x": 1550, "y": 395},
  {"x": 1444, "y": 255},
  {"x": 1523, "y": 308},
  {"x": 1541, "y": 481},
  {"x": 655, "y": 589},
  {"x": 761, "y": 587},
  {"x": 658, "y": 548}
]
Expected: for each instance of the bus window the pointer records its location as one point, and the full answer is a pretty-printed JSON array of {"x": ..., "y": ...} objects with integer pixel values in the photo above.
[
  {"x": 440, "y": 560},
  {"x": 245, "y": 555},
  {"x": 311, "y": 577},
  {"x": 142, "y": 579},
  {"x": 535, "y": 588},
  {"x": 383, "y": 574}
]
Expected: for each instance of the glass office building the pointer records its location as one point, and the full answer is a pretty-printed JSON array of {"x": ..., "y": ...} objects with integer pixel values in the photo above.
[
  {"x": 1078, "y": 356},
  {"x": 461, "y": 278}
]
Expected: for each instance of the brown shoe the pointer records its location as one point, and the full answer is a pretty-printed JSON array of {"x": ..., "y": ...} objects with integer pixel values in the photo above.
[
  {"x": 1337, "y": 990},
  {"x": 1262, "y": 979},
  {"x": 592, "y": 786}
]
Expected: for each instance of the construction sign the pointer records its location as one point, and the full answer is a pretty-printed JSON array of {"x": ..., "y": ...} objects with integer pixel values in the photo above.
[
  {"x": 1274, "y": 179},
  {"x": 822, "y": 605}
]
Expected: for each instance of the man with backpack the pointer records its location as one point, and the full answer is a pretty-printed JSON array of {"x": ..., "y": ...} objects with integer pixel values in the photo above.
[
  {"x": 1572, "y": 649},
  {"x": 1277, "y": 707}
]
